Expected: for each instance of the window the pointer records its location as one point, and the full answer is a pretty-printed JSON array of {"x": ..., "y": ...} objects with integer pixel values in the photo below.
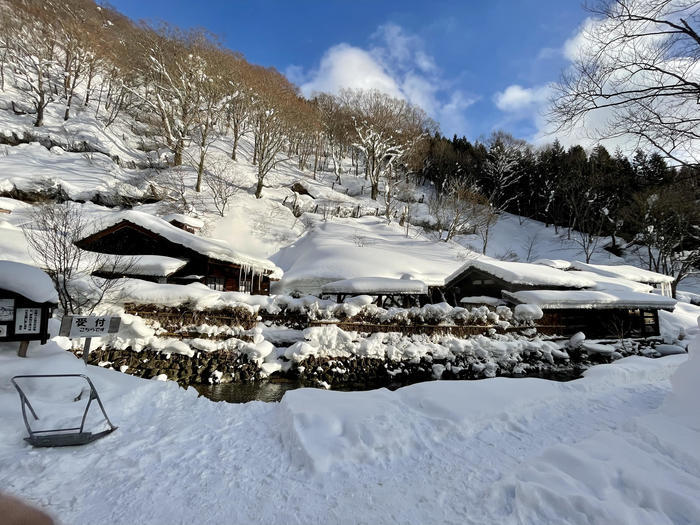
[{"x": 216, "y": 283}]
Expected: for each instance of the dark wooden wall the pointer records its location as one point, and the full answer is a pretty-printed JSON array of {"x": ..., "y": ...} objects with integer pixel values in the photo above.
[
  {"x": 129, "y": 239},
  {"x": 604, "y": 323}
]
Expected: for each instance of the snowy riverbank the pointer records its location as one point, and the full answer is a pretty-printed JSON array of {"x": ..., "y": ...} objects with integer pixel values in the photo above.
[{"x": 622, "y": 440}]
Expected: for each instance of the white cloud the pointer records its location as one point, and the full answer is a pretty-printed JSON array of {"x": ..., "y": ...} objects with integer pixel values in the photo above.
[
  {"x": 395, "y": 63},
  {"x": 516, "y": 98},
  {"x": 346, "y": 66}
]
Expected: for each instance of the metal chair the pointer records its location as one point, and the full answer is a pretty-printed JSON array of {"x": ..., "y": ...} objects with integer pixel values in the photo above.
[{"x": 61, "y": 437}]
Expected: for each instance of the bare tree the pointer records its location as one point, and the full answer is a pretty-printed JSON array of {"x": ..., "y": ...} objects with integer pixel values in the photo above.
[
  {"x": 174, "y": 190},
  {"x": 385, "y": 128},
  {"x": 637, "y": 66},
  {"x": 34, "y": 55},
  {"x": 271, "y": 115},
  {"x": 51, "y": 235},
  {"x": 459, "y": 209},
  {"x": 335, "y": 122},
  {"x": 223, "y": 185},
  {"x": 176, "y": 70},
  {"x": 668, "y": 220}
]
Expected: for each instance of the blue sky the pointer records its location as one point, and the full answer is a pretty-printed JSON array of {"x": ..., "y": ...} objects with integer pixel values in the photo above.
[{"x": 474, "y": 66}]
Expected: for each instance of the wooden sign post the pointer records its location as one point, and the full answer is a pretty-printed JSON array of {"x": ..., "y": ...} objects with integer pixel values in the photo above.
[{"x": 88, "y": 326}]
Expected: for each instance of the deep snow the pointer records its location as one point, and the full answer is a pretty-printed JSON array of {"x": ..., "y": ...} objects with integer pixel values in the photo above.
[{"x": 618, "y": 446}]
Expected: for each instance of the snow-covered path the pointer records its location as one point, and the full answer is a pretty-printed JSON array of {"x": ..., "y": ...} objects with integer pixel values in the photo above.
[{"x": 442, "y": 452}]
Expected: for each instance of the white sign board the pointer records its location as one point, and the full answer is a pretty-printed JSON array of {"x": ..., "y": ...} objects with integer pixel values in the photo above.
[
  {"x": 28, "y": 321},
  {"x": 3, "y": 330},
  {"x": 89, "y": 326},
  {"x": 7, "y": 309}
]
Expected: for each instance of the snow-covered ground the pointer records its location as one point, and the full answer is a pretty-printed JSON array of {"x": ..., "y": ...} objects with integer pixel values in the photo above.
[{"x": 617, "y": 446}]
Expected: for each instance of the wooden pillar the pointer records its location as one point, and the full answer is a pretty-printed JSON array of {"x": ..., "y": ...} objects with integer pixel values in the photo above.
[{"x": 22, "y": 350}]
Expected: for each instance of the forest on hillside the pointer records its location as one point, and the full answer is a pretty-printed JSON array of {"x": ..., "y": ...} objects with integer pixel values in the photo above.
[{"x": 182, "y": 89}]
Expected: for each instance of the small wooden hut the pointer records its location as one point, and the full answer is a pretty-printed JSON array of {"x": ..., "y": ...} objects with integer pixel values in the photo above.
[
  {"x": 598, "y": 314},
  {"x": 488, "y": 277},
  {"x": 386, "y": 292},
  {"x": 132, "y": 234}
]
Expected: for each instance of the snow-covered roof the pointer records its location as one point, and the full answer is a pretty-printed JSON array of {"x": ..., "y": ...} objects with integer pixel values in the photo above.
[
  {"x": 364, "y": 247},
  {"x": 28, "y": 281},
  {"x": 590, "y": 299},
  {"x": 523, "y": 273},
  {"x": 559, "y": 264},
  {"x": 151, "y": 265},
  {"x": 376, "y": 285},
  {"x": 214, "y": 248},
  {"x": 624, "y": 271},
  {"x": 604, "y": 283},
  {"x": 481, "y": 299},
  {"x": 193, "y": 222}
]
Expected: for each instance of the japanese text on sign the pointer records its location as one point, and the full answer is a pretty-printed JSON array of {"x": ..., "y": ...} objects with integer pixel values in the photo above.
[
  {"x": 89, "y": 326},
  {"x": 28, "y": 321}
]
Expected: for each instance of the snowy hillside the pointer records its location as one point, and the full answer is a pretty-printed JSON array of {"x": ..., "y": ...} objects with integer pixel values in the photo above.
[{"x": 327, "y": 245}]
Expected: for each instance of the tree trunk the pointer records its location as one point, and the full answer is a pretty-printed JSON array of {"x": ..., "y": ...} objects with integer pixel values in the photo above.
[
  {"x": 235, "y": 146},
  {"x": 200, "y": 172},
  {"x": 39, "y": 112},
  {"x": 259, "y": 188},
  {"x": 375, "y": 191},
  {"x": 177, "y": 161}
]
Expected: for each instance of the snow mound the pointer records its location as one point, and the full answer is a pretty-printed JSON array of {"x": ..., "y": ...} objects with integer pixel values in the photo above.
[
  {"x": 329, "y": 430},
  {"x": 647, "y": 471},
  {"x": 528, "y": 312},
  {"x": 29, "y": 281}
]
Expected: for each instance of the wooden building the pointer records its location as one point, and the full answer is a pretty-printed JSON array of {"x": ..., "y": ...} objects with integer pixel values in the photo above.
[
  {"x": 488, "y": 277},
  {"x": 386, "y": 292},
  {"x": 610, "y": 314},
  {"x": 213, "y": 262}
]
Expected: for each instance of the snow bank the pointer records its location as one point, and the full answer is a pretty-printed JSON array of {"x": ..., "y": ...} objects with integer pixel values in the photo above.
[
  {"x": 647, "y": 471},
  {"x": 522, "y": 273},
  {"x": 29, "y": 281},
  {"x": 338, "y": 430},
  {"x": 195, "y": 295}
]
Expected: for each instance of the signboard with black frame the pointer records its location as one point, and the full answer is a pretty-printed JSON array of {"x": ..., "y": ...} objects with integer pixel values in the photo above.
[{"x": 23, "y": 320}]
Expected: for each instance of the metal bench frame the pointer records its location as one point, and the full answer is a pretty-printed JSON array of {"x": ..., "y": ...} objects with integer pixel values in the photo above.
[{"x": 61, "y": 437}]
